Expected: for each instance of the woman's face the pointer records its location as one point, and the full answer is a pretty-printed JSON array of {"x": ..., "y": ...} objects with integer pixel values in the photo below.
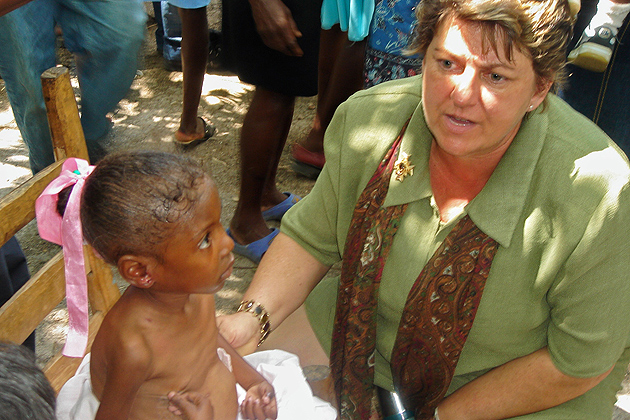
[{"x": 474, "y": 100}]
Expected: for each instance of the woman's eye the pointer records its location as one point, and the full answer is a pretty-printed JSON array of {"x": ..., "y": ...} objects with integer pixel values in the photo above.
[
  {"x": 447, "y": 64},
  {"x": 205, "y": 242}
]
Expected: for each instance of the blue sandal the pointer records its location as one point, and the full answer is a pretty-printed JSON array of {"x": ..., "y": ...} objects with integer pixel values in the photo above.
[
  {"x": 276, "y": 212},
  {"x": 256, "y": 249}
]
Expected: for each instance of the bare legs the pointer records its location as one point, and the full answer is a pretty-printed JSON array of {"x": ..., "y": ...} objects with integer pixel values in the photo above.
[
  {"x": 340, "y": 75},
  {"x": 194, "y": 61},
  {"x": 263, "y": 136}
]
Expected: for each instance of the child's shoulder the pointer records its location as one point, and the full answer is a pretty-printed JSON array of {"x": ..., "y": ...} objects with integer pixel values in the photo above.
[{"x": 121, "y": 328}]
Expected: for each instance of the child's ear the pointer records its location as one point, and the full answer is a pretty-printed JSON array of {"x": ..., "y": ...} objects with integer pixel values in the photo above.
[{"x": 135, "y": 270}]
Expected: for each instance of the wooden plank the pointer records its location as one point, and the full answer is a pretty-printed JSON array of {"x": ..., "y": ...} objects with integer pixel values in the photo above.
[
  {"x": 33, "y": 302},
  {"x": 63, "y": 114},
  {"x": 61, "y": 368},
  {"x": 102, "y": 291},
  {"x": 17, "y": 208}
]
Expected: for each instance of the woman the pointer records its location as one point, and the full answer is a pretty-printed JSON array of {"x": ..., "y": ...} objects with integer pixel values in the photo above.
[{"x": 492, "y": 217}]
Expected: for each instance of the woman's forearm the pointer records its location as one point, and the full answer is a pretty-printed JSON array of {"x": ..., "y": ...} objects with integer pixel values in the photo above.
[
  {"x": 285, "y": 277},
  {"x": 283, "y": 280},
  {"x": 525, "y": 385}
]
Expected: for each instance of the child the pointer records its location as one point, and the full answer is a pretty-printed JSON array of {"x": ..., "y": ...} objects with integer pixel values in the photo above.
[
  {"x": 156, "y": 216},
  {"x": 594, "y": 49},
  {"x": 25, "y": 393}
]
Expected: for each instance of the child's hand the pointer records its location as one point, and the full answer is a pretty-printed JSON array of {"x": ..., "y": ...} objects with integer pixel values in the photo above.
[
  {"x": 191, "y": 406},
  {"x": 260, "y": 402}
]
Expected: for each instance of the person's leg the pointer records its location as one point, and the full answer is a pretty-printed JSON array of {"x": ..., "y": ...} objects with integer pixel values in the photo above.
[
  {"x": 27, "y": 48},
  {"x": 264, "y": 133},
  {"x": 172, "y": 37},
  {"x": 330, "y": 45},
  {"x": 340, "y": 75},
  {"x": 614, "y": 10},
  {"x": 105, "y": 37},
  {"x": 194, "y": 61},
  {"x": 603, "y": 97},
  {"x": 159, "y": 32},
  {"x": 594, "y": 49}
]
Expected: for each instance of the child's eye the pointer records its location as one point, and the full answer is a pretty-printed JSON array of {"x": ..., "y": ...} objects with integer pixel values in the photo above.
[
  {"x": 205, "y": 242},
  {"x": 495, "y": 77}
]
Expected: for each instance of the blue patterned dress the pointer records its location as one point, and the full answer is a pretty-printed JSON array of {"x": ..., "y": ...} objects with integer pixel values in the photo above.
[{"x": 391, "y": 33}]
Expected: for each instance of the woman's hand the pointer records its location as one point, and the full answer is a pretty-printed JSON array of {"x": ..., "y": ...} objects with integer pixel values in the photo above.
[
  {"x": 241, "y": 330},
  {"x": 276, "y": 27},
  {"x": 191, "y": 406},
  {"x": 260, "y": 402}
]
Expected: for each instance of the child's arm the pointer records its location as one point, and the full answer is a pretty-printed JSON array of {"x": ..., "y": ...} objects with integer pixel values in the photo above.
[
  {"x": 260, "y": 402},
  {"x": 127, "y": 369}
]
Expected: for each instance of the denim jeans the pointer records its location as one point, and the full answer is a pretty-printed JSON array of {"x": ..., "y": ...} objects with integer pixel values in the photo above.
[
  {"x": 104, "y": 35},
  {"x": 172, "y": 26},
  {"x": 603, "y": 97},
  {"x": 168, "y": 35}
]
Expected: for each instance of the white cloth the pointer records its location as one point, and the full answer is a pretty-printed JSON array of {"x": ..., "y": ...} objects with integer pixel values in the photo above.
[{"x": 76, "y": 400}]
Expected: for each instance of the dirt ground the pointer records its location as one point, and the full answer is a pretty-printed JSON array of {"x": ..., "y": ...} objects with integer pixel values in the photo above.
[{"x": 147, "y": 119}]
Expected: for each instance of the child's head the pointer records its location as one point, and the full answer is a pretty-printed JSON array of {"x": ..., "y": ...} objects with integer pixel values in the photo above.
[
  {"x": 25, "y": 393},
  {"x": 132, "y": 201},
  {"x": 157, "y": 217}
]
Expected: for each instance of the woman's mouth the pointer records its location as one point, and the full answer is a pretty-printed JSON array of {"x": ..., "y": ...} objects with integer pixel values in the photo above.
[
  {"x": 459, "y": 121},
  {"x": 458, "y": 125}
]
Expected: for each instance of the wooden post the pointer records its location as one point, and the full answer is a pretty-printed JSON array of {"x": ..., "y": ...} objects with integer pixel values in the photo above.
[{"x": 63, "y": 114}]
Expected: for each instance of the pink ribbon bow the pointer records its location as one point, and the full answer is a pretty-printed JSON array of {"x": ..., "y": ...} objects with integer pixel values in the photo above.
[{"x": 67, "y": 232}]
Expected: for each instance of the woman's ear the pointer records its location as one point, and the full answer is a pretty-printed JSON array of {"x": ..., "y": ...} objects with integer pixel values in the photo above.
[
  {"x": 542, "y": 89},
  {"x": 136, "y": 270}
]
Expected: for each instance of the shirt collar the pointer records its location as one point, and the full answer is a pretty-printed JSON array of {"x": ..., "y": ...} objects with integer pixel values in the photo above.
[
  {"x": 414, "y": 142},
  {"x": 498, "y": 207}
]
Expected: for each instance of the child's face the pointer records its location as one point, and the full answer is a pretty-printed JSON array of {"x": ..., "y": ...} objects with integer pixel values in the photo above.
[{"x": 198, "y": 256}]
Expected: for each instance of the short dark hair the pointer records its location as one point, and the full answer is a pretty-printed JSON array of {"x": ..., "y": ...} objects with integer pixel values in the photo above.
[
  {"x": 25, "y": 392},
  {"x": 132, "y": 199}
]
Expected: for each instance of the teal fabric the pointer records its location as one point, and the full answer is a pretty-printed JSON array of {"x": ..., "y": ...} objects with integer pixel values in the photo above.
[
  {"x": 558, "y": 203},
  {"x": 353, "y": 16}
]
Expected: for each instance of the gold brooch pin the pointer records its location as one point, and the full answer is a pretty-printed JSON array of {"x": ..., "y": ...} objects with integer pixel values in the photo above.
[{"x": 403, "y": 167}]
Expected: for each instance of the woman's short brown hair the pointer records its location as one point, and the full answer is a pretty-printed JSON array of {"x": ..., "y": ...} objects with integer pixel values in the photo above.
[{"x": 540, "y": 29}]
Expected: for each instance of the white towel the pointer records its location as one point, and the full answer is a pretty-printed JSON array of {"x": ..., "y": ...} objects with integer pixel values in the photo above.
[{"x": 293, "y": 394}]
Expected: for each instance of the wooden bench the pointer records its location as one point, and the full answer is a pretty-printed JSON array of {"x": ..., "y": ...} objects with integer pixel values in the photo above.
[{"x": 21, "y": 315}]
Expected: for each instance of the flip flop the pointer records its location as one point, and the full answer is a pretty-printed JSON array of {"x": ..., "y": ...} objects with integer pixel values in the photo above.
[
  {"x": 256, "y": 249},
  {"x": 276, "y": 212},
  {"x": 208, "y": 131},
  {"x": 305, "y": 162}
]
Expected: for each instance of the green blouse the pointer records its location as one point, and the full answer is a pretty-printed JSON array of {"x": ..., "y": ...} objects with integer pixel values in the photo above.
[{"x": 558, "y": 205}]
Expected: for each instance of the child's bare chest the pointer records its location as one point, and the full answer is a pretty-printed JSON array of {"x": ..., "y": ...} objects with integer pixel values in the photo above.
[{"x": 185, "y": 359}]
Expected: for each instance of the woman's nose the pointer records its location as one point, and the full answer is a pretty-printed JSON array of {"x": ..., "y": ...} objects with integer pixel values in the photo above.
[{"x": 465, "y": 88}]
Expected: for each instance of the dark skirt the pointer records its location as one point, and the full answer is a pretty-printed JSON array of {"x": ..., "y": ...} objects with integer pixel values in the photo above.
[{"x": 256, "y": 64}]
